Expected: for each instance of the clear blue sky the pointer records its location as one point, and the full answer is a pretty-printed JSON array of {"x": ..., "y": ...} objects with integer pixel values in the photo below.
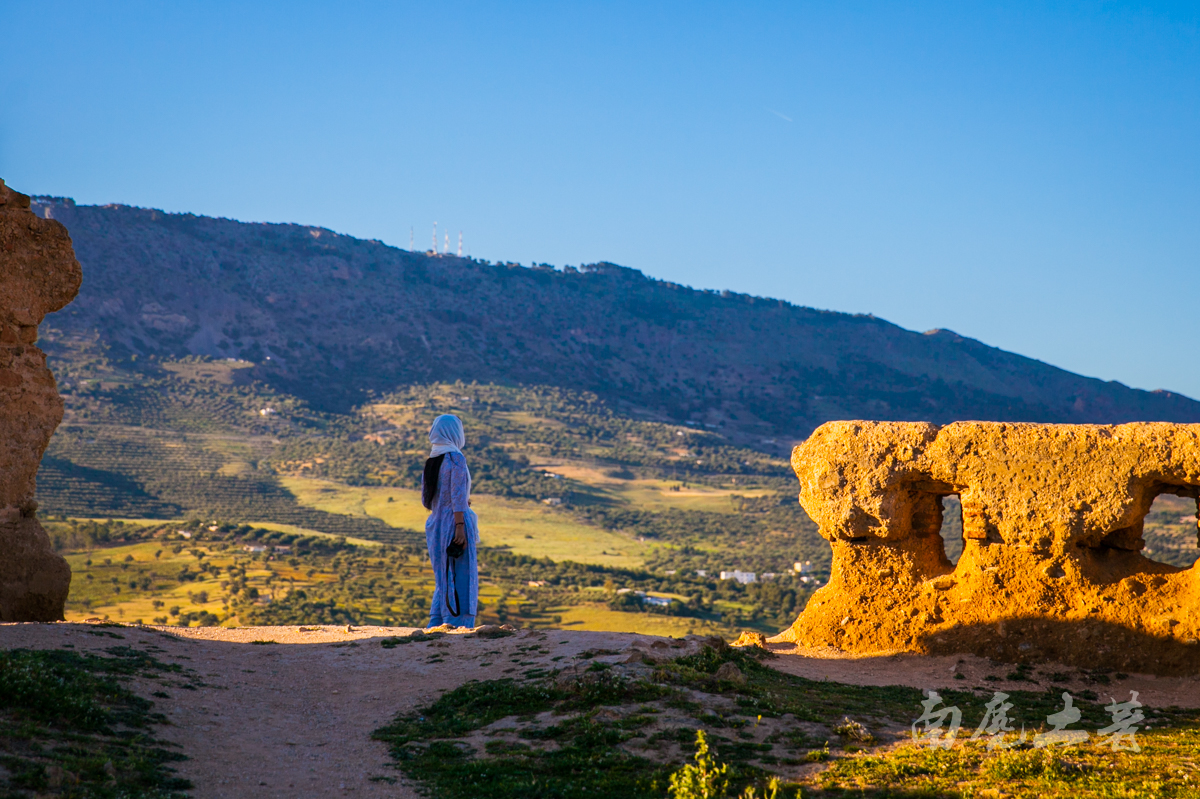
[{"x": 1023, "y": 173}]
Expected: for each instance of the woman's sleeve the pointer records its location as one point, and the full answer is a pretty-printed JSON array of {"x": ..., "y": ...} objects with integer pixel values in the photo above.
[{"x": 458, "y": 487}]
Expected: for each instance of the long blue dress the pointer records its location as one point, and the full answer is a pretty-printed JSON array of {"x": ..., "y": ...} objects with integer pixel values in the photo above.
[{"x": 453, "y": 496}]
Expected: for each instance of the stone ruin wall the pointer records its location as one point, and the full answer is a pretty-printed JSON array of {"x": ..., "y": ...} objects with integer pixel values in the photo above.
[
  {"x": 38, "y": 275},
  {"x": 1051, "y": 568}
]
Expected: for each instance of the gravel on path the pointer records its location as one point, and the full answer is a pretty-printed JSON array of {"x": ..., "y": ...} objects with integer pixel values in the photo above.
[{"x": 289, "y": 711}]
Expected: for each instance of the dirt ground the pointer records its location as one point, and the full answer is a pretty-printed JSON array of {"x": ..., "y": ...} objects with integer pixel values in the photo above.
[{"x": 294, "y": 718}]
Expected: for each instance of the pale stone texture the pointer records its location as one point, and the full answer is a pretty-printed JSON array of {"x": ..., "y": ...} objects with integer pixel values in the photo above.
[
  {"x": 1052, "y": 525},
  {"x": 38, "y": 274}
]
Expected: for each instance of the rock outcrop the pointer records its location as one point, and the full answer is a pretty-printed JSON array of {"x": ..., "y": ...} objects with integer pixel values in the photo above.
[
  {"x": 38, "y": 274},
  {"x": 1051, "y": 567}
]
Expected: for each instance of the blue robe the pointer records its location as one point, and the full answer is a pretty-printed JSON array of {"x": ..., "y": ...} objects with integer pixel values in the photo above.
[{"x": 453, "y": 496}]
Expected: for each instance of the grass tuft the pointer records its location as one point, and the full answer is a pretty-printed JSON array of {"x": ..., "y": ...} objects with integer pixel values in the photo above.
[{"x": 69, "y": 725}]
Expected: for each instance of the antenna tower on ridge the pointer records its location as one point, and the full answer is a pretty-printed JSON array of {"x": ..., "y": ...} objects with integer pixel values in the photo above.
[
  {"x": 460, "y": 244},
  {"x": 446, "y": 246},
  {"x": 411, "y": 243},
  {"x": 434, "y": 238}
]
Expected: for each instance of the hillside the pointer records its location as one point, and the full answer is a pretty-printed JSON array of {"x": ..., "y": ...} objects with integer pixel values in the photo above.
[
  {"x": 332, "y": 319},
  {"x": 625, "y": 435},
  {"x": 559, "y": 479}
]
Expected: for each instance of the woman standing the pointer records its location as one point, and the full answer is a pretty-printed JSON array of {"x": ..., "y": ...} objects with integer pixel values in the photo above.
[{"x": 446, "y": 492}]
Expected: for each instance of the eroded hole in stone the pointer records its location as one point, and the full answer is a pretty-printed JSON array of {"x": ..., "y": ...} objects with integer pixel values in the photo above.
[
  {"x": 1170, "y": 531},
  {"x": 952, "y": 527}
]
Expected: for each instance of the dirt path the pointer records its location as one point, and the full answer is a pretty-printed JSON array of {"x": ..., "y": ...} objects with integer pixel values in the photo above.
[
  {"x": 294, "y": 718},
  {"x": 934, "y": 673}
]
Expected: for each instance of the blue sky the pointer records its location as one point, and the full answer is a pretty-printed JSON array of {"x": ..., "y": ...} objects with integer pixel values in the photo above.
[{"x": 1023, "y": 173}]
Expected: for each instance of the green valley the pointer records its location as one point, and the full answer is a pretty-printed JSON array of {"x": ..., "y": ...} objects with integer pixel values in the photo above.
[
  {"x": 190, "y": 478},
  {"x": 632, "y": 429},
  {"x": 585, "y": 513}
]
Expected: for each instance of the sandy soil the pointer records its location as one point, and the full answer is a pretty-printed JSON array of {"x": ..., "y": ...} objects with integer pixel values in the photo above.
[
  {"x": 933, "y": 673},
  {"x": 294, "y": 719}
]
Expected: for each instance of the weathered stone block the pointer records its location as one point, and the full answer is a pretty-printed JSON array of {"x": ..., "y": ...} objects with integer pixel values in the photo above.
[
  {"x": 1052, "y": 525},
  {"x": 38, "y": 275}
]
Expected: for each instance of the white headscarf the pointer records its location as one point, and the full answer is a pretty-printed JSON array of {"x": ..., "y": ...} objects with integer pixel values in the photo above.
[{"x": 446, "y": 435}]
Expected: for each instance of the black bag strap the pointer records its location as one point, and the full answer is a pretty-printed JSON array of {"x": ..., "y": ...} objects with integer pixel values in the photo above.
[{"x": 449, "y": 582}]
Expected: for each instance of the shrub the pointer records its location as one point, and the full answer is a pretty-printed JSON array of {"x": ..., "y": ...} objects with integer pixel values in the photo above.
[{"x": 705, "y": 780}]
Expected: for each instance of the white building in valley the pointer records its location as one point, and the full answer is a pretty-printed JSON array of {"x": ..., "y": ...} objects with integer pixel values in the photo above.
[{"x": 742, "y": 577}]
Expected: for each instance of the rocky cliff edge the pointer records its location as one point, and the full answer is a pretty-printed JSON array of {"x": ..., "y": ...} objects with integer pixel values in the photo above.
[{"x": 38, "y": 275}]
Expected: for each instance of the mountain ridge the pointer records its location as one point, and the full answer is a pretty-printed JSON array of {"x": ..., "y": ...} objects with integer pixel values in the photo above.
[{"x": 335, "y": 319}]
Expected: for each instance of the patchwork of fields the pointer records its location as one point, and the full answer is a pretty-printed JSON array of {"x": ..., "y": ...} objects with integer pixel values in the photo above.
[
  {"x": 195, "y": 573},
  {"x": 562, "y": 483},
  {"x": 523, "y": 526}
]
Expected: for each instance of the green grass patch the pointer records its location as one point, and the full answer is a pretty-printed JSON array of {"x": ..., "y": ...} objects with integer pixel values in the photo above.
[
  {"x": 586, "y": 762},
  {"x": 1164, "y": 768},
  {"x": 598, "y": 734},
  {"x": 69, "y": 725}
]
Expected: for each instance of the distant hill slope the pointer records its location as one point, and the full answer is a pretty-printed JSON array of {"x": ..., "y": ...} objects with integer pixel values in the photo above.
[{"x": 330, "y": 318}]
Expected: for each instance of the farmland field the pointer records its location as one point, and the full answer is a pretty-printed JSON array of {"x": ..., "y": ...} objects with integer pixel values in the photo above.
[
  {"x": 197, "y": 573},
  {"x": 522, "y": 525},
  {"x": 571, "y": 495}
]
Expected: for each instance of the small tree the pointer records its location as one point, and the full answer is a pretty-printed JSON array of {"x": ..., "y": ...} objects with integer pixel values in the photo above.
[{"x": 705, "y": 780}]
